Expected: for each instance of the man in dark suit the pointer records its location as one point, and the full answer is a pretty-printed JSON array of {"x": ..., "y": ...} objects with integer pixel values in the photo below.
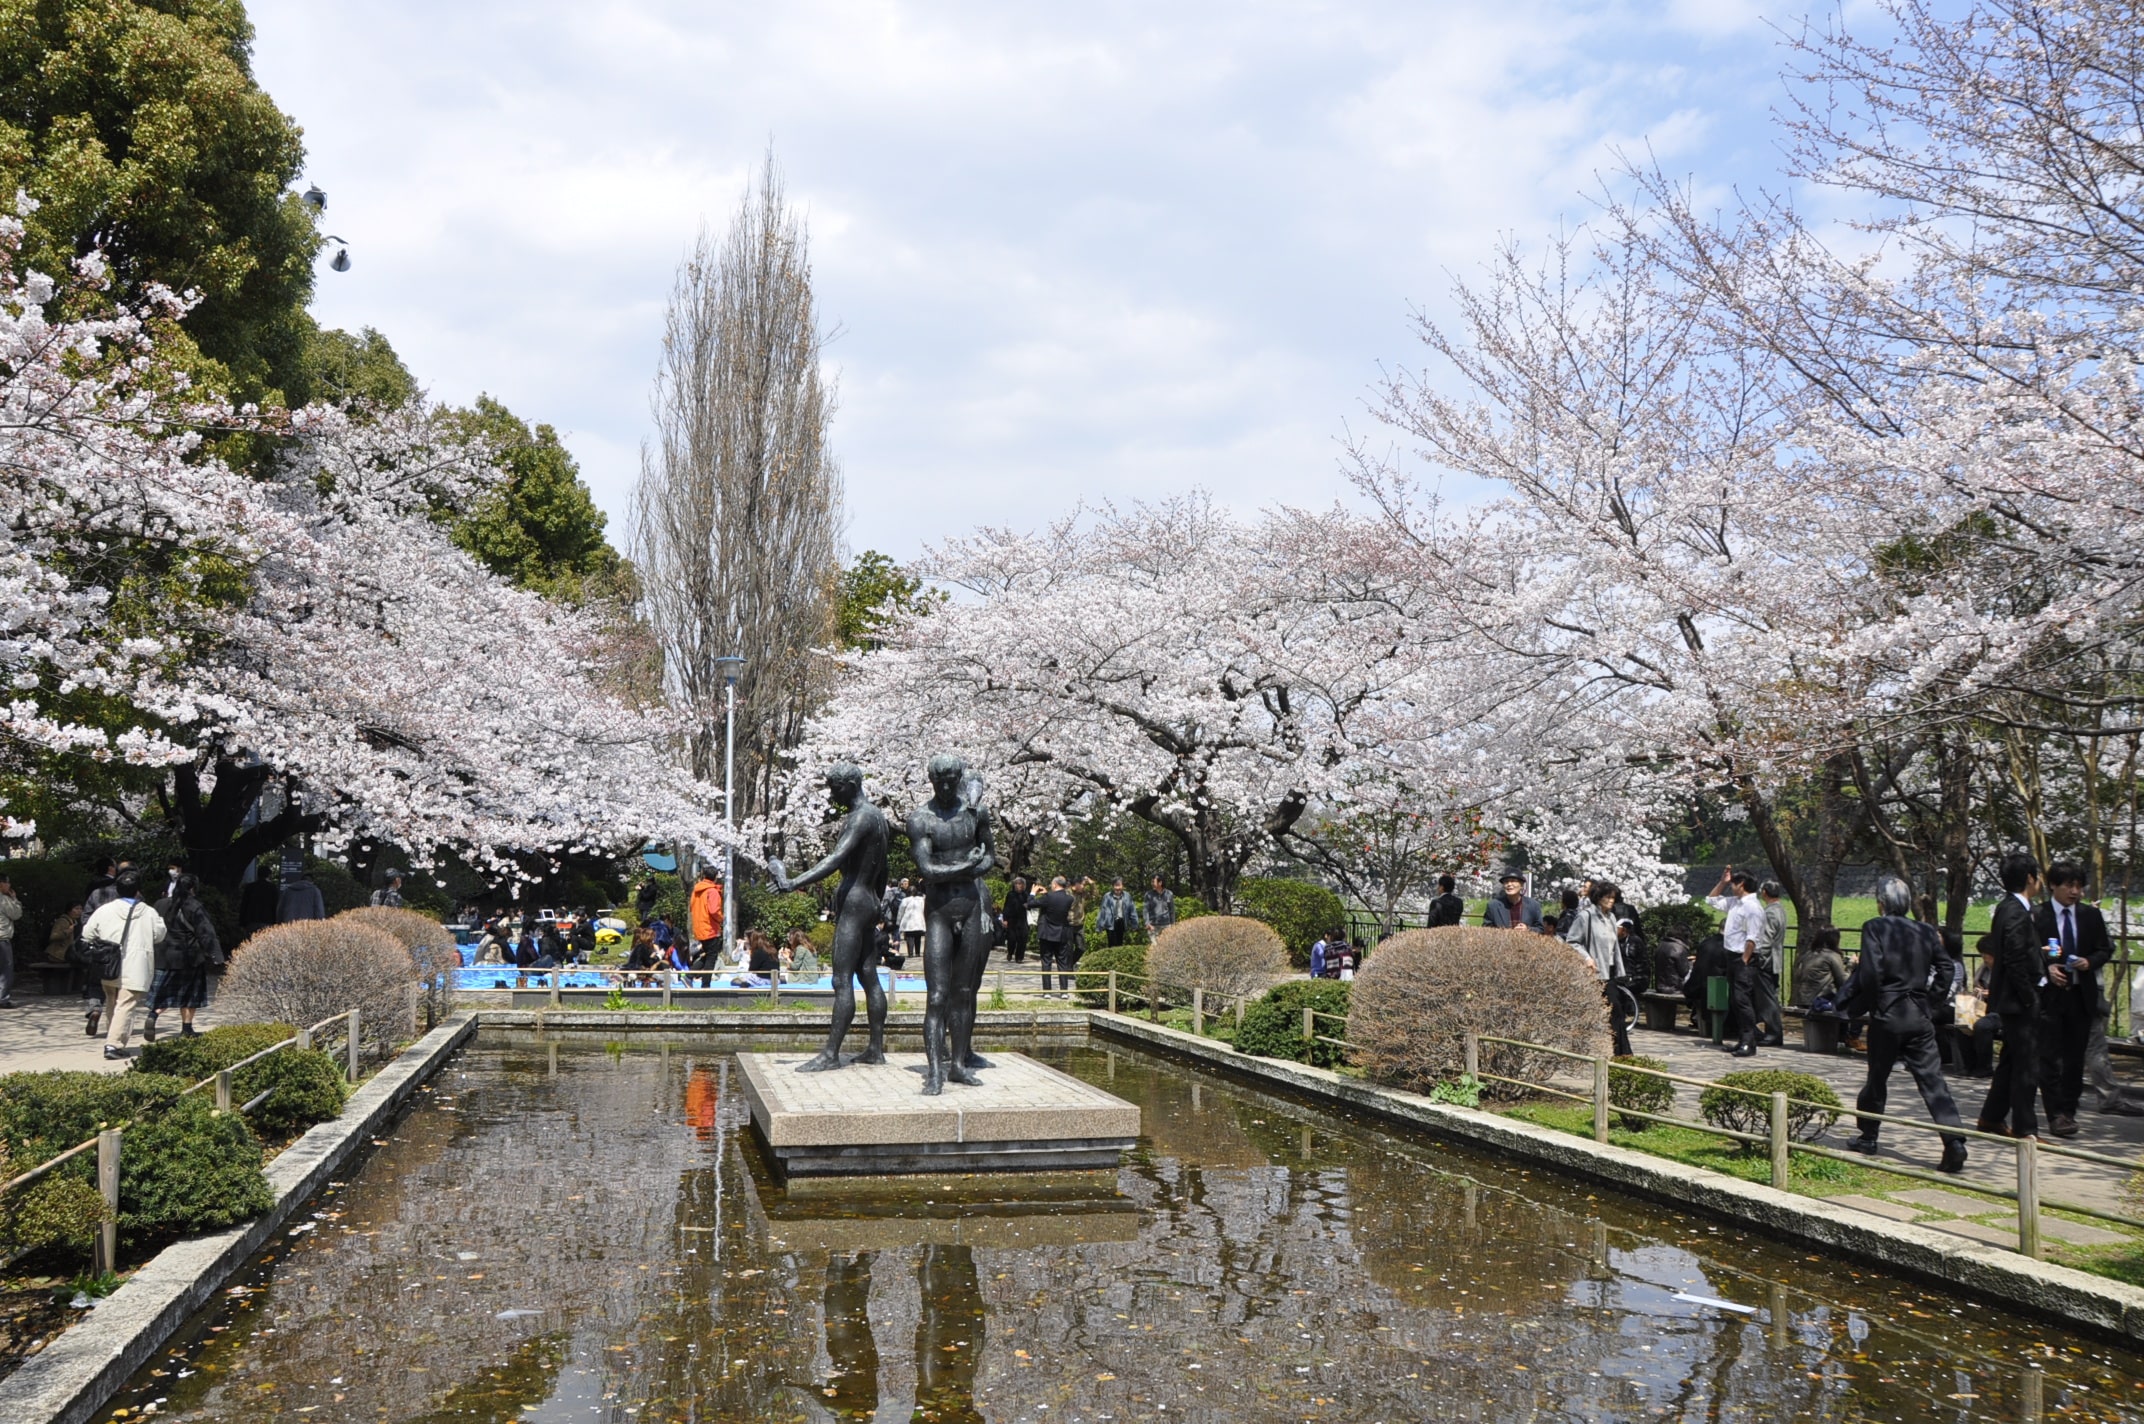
[
  {"x": 2071, "y": 997},
  {"x": 1904, "y": 965},
  {"x": 1447, "y": 908},
  {"x": 2014, "y": 992}
]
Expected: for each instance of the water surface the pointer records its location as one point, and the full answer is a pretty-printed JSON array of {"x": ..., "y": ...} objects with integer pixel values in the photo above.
[{"x": 563, "y": 1230}]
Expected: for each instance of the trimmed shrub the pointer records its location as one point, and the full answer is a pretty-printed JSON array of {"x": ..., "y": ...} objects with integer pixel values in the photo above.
[
  {"x": 1417, "y": 996},
  {"x": 1129, "y": 961},
  {"x": 1232, "y": 956},
  {"x": 775, "y": 914},
  {"x": 1273, "y": 1027},
  {"x": 1190, "y": 907},
  {"x": 431, "y": 947},
  {"x": 305, "y": 1086},
  {"x": 192, "y": 1059},
  {"x": 1298, "y": 910},
  {"x": 183, "y": 1166},
  {"x": 1686, "y": 920},
  {"x": 822, "y": 937},
  {"x": 1812, "y": 1107},
  {"x": 308, "y": 970},
  {"x": 1640, "y": 1092}
]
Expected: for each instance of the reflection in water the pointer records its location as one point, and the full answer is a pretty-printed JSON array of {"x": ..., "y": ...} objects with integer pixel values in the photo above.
[
  {"x": 852, "y": 1381},
  {"x": 949, "y": 1335},
  {"x": 606, "y": 1247}
]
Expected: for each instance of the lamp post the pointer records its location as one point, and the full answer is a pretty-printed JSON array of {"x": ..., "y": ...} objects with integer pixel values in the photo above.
[{"x": 729, "y": 665}]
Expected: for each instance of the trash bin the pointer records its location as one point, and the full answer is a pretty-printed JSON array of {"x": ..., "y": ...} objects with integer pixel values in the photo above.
[{"x": 1716, "y": 1000}]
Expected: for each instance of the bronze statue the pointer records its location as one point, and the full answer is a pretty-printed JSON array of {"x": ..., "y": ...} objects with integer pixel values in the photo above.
[
  {"x": 859, "y": 853},
  {"x": 951, "y": 838}
]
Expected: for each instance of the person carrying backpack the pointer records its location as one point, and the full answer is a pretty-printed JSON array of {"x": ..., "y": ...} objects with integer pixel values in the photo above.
[
  {"x": 191, "y": 949},
  {"x": 121, "y": 938}
]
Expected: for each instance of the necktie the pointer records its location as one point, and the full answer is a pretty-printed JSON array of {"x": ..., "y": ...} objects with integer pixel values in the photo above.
[{"x": 2069, "y": 930}]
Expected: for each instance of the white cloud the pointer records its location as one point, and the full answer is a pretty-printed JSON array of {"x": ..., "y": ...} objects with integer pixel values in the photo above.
[{"x": 1101, "y": 251}]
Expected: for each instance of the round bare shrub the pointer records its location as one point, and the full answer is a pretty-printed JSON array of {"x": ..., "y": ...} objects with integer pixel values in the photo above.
[
  {"x": 1416, "y": 997},
  {"x": 430, "y": 944},
  {"x": 1229, "y": 956},
  {"x": 303, "y": 972}
]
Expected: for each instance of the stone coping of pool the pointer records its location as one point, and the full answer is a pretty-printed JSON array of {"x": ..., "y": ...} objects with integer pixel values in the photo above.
[
  {"x": 870, "y": 1118},
  {"x": 76, "y": 1375},
  {"x": 2043, "y": 1288},
  {"x": 807, "y": 1022}
]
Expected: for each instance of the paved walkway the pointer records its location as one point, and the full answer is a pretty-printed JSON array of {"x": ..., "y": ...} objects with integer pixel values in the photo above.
[
  {"x": 43, "y": 1032},
  {"x": 2085, "y": 1182}
]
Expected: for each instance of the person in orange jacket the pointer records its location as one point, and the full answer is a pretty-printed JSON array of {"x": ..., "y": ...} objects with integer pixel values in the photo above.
[{"x": 706, "y": 919}]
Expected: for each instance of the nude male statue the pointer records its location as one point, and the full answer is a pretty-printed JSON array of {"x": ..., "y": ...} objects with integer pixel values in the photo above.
[
  {"x": 859, "y": 853},
  {"x": 951, "y": 837}
]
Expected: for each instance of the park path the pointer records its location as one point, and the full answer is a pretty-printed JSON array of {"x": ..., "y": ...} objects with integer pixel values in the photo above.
[
  {"x": 43, "y": 1032},
  {"x": 1693, "y": 1056}
]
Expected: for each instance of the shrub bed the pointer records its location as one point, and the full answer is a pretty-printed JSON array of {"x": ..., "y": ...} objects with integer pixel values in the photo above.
[
  {"x": 1273, "y": 1027},
  {"x": 1417, "y": 996},
  {"x": 192, "y": 1059},
  {"x": 184, "y": 1167},
  {"x": 1750, "y": 1110}
]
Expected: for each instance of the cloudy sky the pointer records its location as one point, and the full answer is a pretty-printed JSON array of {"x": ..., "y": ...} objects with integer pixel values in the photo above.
[{"x": 1073, "y": 252}]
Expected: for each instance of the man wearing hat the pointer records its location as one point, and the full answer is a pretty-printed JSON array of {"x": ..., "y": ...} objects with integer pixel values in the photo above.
[{"x": 1514, "y": 909}]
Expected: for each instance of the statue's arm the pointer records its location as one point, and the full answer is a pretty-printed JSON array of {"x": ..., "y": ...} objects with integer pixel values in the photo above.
[
  {"x": 984, "y": 858},
  {"x": 844, "y": 847}
]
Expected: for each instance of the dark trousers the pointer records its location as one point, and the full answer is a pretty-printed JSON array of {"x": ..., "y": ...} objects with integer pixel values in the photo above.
[
  {"x": 2064, "y": 1030},
  {"x": 1016, "y": 938},
  {"x": 1057, "y": 954},
  {"x": 1767, "y": 1002},
  {"x": 1742, "y": 1001},
  {"x": 1622, "y": 1008},
  {"x": 1117, "y": 933},
  {"x": 1909, "y": 1039},
  {"x": 2016, "y": 1077}
]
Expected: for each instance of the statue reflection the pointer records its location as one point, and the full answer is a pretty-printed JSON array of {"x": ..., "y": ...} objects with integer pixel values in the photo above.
[
  {"x": 852, "y": 1385},
  {"x": 949, "y": 1336}
]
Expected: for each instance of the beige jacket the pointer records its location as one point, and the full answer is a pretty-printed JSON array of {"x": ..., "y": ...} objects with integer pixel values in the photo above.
[{"x": 140, "y": 935}]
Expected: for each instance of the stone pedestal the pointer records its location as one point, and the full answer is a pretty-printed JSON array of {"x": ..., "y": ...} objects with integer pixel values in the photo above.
[{"x": 873, "y": 1120}]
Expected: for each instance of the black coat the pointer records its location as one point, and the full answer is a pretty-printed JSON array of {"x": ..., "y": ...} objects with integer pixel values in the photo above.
[
  {"x": 2018, "y": 961},
  {"x": 1893, "y": 980},
  {"x": 1446, "y": 910},
  {"x": 2093, "y": 942},
  {"x": 1056, "y": 926}
]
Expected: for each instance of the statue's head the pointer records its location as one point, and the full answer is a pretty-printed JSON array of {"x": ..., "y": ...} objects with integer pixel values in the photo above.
[
  {"x": 947, "y": 772},
  {"x": 845, "y": 780}
]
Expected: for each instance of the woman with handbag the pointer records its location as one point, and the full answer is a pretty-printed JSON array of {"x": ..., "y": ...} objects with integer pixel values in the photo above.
[{"x": 191, "y": 949}]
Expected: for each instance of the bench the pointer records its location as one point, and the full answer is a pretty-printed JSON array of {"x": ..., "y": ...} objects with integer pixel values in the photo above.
[
  {"x": 1821, "y": 1033},
  {"x": 1660, "y": 1009},
  {"x": 52, "y": 979}
]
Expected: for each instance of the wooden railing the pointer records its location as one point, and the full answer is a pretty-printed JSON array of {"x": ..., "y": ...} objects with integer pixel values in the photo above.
[{"x": 105, "y": 1249}]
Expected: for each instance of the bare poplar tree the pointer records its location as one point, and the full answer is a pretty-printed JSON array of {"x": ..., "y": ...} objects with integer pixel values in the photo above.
[{"x": 736, "y": 522}]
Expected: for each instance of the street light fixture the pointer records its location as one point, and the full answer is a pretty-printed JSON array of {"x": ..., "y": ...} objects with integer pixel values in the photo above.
[{"x": 729, "y": 666}]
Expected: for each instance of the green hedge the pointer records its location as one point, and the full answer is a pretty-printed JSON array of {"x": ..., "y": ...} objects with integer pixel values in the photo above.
[
  {"x": 192, "y": 1059},
  {"x": 1687, "y": 920},
  {"x": 1640, "y": 1092},
  {"x": 1273, "y": 1026},
  {"x": 1750, "y": 1110},
  {"x": 1129, "y": 961},
  {"x": 305, "y": 1087},
  {"x": 774, "y": 914},
  {"x": 184, "y": 1168},
  {"x": 1298, "y": 910}
]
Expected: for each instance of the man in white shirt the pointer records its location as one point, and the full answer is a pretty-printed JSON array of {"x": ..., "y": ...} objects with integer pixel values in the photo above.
[
  {"x": 1743, "y": 935},
  {"x": 124, "y": 933}
]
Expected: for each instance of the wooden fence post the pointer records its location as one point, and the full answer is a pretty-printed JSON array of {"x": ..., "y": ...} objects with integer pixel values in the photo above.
[
  {"x": 1473, "y": 1052},
  {"x": 1239, "y": 1015},
  {"x": 1779, "y": 1141},
  {"x": 356, "y": 1037},
  {"x": 305, "y": 1038},
  {"x": 223, "y": 1090},
  {"x": 1600, "y": 1100},
  {"x": 2028, "y": 1197},
  {"x": 1198, "y": 1011},
  {"x": 1112, "y": 991},
  {"x": 668, "y": 974},
  {"x": 554, "y": 976},
  {"x": 106, "y": 1255},
  {"x": 1310, "y": 1025}
]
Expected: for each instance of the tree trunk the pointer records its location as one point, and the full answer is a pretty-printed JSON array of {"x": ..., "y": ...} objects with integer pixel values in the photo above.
[{"x": 218, "y": 843}]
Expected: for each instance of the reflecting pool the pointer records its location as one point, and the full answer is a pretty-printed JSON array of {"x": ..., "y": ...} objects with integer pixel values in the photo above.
[{"x": 567, "y": 1230}]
